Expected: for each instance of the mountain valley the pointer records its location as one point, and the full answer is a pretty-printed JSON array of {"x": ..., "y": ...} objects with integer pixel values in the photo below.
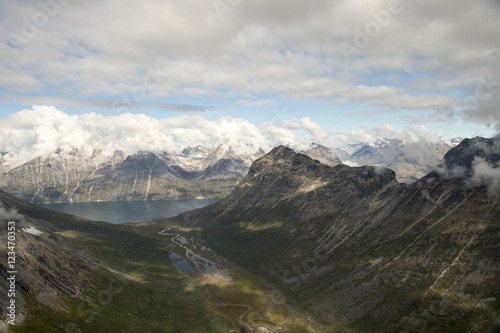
[
  {"x": 355, "y": 248},
  {"x": 297, "y": 245}
]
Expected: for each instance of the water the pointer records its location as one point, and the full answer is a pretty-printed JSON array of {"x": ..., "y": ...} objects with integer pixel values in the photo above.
[
  {"x": 184, "y": 266},
  {"x": 129, "y": 211},
  {"x": 175, "y": 257}
]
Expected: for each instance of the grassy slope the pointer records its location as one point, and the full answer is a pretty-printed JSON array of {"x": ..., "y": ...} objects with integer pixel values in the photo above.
[{"x": 155, "y": 298}]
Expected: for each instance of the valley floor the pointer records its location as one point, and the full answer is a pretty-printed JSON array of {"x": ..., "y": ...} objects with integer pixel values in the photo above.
[{"x": 247, "y": 300}]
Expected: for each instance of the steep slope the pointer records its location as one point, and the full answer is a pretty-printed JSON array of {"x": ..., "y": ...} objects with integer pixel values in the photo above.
[
  {"x": 224, "y": 162},
  {"x": 359, "y": 250},
  {"x": 61, "y": 176},
  {"x": 142, "y": 176},
  {"x": 43, "y": 265},
  {"x": 75, "y": 275}
]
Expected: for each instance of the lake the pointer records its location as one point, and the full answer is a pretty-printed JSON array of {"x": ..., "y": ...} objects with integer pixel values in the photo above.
[{"x": 129, "y": 211}]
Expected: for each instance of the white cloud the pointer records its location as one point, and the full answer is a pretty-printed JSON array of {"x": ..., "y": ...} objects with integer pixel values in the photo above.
[
  {"x": 484, "y": 173},
  {"x": 9, "y": 214},
  {"x": 93, "y": 49},
  {"x": 257, "y": 103},
  {"x": 42, "y": 130}
]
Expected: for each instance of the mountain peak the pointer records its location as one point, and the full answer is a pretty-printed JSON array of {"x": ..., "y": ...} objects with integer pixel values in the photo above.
[
  {"x": 281, "y": 155},
  {"x": 322, "y": 154},
  {"x": 466, "y": 151},
  {"x": 281, "y": 151},
  {"x": 474, "y": 162}
]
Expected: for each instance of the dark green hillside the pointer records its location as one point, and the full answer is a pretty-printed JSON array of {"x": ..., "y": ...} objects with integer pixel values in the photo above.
[
  {"x": 116, "y": 278},
  {"x": 355, "y": 248}
]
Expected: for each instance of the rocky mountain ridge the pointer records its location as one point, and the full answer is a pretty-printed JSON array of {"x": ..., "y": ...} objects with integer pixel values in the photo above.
[
  {"x": 79, "y": 176},
  {"x": 410, "y": 160},
  {"x": 198, "y": 172},
  {"x": 359, "y": 250},
  {"x": 46, "y": 266}
]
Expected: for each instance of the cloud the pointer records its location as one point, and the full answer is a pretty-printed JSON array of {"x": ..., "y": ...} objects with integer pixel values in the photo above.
[
  {"x": 91, "y": 49},
  {"x": 9, "y": 214},
  {"x": 258, "y": 103},
  {"x": 477, "y": 164},
  {"x": 43, "y": 130},
  {"x": 487, "y": 174},
  {"x": 484, "y": 111},
  {"x": 412, "y": 134},
  {"x": 125, "y": 102}
]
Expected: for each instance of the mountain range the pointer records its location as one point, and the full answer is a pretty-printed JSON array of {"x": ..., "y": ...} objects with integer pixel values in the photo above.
[
  {"x": 346, "y": 249},
  {"x": 410, "y": 160},
  {"x": 95, "y": 176},
  {"x": 196, "y": 172},
  {"x": 362, "y": 252}
]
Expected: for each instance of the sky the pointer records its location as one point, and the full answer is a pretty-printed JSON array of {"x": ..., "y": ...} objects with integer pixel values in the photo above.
[{"x": 264, "y": 72}]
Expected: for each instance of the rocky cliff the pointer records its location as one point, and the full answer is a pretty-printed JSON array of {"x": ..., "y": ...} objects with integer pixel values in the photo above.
[
  {"x": 83, "y": 176},
  {"x": 42, "y": 266},
  {"x": 361, "y": 251}
]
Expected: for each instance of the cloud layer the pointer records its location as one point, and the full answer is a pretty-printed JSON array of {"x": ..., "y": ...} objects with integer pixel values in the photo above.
[
  {"x": 42, "y": 130},
  {"x": 422, "y": 57}
]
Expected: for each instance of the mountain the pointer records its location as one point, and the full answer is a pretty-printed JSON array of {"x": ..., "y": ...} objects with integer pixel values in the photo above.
[
  {"x": 44, "y": 267},
  {"x": 74, "y": 275},
  {"x": 68, "y": 274},
  {"x": 77, "y": 175},
  {"x": 359, "y": 251},
  {"x": 323, "y": 154},
  {"x": 470, "y": 150},
  {"x": 225, "y": 162},
  {"x": 410, "y": 160},
  {"x": 82, "y": 176}
]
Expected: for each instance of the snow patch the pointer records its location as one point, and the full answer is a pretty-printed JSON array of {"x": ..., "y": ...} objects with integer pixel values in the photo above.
[{"x": 33, "y": 231}]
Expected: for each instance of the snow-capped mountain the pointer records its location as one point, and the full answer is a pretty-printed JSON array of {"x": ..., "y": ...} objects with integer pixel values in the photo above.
[
  {"x": 410, "y": 160},
  {"x": 323, "y": 154},
  {"x": 80, "y": 176}
]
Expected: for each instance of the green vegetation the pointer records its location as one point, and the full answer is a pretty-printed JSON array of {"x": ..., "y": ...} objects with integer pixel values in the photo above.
[
  {"x": 153, "y": 296},
  {"x": 147, "y": 293}
]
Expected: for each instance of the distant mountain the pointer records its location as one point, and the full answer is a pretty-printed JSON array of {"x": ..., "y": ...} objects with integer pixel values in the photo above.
[
  {"x": 79, "y": 176},
  {"x": 197, "y": 172},
  {"x": 360, "y": 251},
  {"x": 323, "y": 154},
  {"x": 410, "y": 160}
]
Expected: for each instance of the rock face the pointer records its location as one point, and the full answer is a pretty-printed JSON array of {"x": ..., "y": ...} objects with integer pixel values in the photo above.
[
  {"x": 46, "y": 265},
  {"x": 360, "y": 250},
  {"x": 80, "y": 176},
  {"x": 410, "y": 161},
  {"x": 459, "y": 162}
]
